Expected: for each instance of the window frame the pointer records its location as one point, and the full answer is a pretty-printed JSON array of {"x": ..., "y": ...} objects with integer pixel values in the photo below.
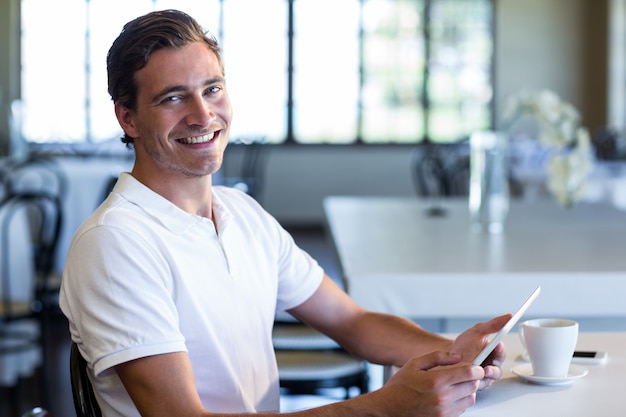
[{"x": 90, "y": 147}]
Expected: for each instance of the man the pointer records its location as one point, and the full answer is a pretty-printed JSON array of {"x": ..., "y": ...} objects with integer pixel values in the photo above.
[{"x": 172, "y": 285}]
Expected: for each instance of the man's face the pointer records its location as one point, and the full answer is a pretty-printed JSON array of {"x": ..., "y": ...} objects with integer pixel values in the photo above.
[{"x": 183, "y": 113}]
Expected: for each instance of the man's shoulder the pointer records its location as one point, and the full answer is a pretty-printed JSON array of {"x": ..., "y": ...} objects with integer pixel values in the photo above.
[{"x": 115, "y": 212}]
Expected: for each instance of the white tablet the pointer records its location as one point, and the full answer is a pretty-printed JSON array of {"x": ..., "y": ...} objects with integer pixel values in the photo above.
[{"x": 506, "y": 328}]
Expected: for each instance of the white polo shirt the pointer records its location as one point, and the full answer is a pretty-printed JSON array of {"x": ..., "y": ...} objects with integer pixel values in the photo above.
[{"x": 143, "y": 277}]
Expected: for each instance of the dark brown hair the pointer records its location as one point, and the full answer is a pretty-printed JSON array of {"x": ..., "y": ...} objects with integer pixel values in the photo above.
[{"x": 138, "y": 40}]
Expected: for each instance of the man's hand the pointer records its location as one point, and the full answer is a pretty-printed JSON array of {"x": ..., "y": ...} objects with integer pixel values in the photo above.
[
  {"x": 437, "y": 384},
  {"x": 472, "y": 341}
]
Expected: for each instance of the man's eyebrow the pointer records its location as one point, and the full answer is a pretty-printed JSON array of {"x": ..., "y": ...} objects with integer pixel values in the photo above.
[{"x": 182, "y": 88}]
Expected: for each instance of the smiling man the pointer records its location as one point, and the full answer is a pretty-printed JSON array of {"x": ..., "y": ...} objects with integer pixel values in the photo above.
[{"x": 171, "y": 286}]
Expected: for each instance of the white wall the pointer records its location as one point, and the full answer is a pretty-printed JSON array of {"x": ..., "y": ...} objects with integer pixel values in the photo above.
[
  {"x": 298, "y": 179},
  {"x": 539, "y": 46}
]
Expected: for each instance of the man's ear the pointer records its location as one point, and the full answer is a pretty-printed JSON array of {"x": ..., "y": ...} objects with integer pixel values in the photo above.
[{"x": 125, "y": 119}]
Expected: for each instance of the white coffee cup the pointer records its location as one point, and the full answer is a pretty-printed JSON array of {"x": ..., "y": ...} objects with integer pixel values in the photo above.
[{"x": 550, "y": 344}]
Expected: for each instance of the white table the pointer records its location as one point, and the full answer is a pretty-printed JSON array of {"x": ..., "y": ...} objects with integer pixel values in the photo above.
[
  {"x": 599, "y": 393},
  {"x": 395, "y": 258}
]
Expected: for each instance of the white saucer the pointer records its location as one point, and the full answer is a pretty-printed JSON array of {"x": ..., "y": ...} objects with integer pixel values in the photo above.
[{"x": 525, "y": 371}]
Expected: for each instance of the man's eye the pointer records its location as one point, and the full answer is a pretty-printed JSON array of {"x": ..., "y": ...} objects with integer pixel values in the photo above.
[
  {"x": 171, "y": 99},
  {"x": 213, "y": 90}
]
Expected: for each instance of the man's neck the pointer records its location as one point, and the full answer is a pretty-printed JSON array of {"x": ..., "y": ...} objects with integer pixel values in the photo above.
[{"x": 193, "y": 195}]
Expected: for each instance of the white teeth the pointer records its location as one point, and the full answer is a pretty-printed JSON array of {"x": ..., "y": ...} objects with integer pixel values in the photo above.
[{"x": 198, "y": 139}]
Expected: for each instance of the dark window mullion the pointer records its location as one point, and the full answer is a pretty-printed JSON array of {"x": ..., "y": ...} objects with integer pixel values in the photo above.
[
  {"x": 426, "y": 75},
  {"x": 88, "y": 123},
  {"x": 290, "y": 68},
  {"x": 492, "y": 67},
  {"x": 359, "y": 110}
]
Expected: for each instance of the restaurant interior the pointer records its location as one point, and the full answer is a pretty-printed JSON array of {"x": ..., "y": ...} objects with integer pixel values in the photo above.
[{"x": 570, "y": 51}]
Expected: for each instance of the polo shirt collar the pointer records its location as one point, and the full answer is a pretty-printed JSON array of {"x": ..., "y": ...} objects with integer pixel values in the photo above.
[{"x": 164, "y": 211}]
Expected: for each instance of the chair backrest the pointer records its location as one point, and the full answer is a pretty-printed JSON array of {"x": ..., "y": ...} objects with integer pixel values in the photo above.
[
  {"x": 309, "y": 361},
  {"x": 85, "y": 401},
  {"x": 34, "y": 174},
  {"x": 429, "y": 175},
  {"x": 17, "y": 266},
  {"x": 30, "y": 224},
  {"x": 441, "y": 170}
]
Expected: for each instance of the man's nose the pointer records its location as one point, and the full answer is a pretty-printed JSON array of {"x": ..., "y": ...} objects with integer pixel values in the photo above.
[{"x": 200, "y": 112}]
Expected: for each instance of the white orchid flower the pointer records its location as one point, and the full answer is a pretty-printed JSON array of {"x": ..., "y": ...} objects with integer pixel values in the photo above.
[{"x": 572, "y": 160}]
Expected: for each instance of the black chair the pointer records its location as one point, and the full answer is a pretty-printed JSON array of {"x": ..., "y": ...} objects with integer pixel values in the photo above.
[
  {"x": 429, "y": 174},
  {"x": 441, "y": 170},
  {"x": 247, "y": 172},
  {"x": 37, "y": 412},
  {"x": 41, "y": 181},
  {"x": 309, "y": 361},
  {"x": 34, "y": 174},
  {"x": 85, "y": 402},
  {"x": 108, "y": 187},
  {"x": 28, "y": 235},
  {"x": 44, "y": 178}
]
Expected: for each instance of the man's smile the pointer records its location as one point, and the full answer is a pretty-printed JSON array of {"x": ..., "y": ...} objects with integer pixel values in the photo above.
[{"x": 197, "y": 139}]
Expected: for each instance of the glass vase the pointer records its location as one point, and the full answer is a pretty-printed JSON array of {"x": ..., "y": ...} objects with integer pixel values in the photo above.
[{"x": 489, "y": 189}]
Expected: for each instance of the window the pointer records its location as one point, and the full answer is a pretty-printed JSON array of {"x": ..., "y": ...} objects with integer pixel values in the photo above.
[{"x": 298, "y": 71}]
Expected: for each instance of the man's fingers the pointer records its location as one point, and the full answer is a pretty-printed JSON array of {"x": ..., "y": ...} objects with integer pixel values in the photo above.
[
  {"x": 495, "y": 324},
  {"x": 435, "y": 359}
]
